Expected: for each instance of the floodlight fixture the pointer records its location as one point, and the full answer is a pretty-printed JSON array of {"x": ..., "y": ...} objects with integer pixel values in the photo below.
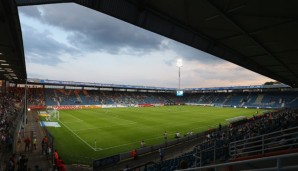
[{"x": 179, "y": 63}]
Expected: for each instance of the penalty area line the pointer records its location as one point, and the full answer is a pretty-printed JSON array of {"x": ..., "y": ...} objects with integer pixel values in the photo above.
[
  {"x": 134, "y": 142},
  {"x": 77, "y": 136},
  {"x": 98, "y": 149}
]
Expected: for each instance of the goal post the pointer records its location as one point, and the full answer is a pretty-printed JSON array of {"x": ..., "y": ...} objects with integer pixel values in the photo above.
[{"x": 53, "y": 113}]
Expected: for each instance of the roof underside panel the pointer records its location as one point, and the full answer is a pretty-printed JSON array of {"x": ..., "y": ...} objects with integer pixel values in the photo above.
[
  {"x": 12, "y": 61},
  {"x": 258, "y": 35}
]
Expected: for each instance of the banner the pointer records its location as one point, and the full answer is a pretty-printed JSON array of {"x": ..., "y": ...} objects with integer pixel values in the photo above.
[{"x": 73, "y": 107}]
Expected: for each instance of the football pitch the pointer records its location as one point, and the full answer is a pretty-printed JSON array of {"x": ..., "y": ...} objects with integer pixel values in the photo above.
[{"x": 96, "y": 133}]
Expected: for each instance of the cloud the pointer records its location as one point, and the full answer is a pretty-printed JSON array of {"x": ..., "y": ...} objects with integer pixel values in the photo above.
[
  {"x": 40, "y": 47},
  {"x": 192, "y": 54},
  {"x": 95, "y": 31},
  {"x": 31, "y": 11},
  {"x": 71, "y": 42},
  {"x": 217, "y": 75}
]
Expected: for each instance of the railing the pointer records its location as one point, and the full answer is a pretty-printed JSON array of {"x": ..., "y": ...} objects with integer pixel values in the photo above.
[
  {"x": 278, "y": 140},
  {"x": 279, "y": 166},
  {"x": 169, "y": 144},
  {"x": 142, "y": 166},
  {"x": 51, "y": 141},
  {"x": 80, "y": 160},
  {"x": 200, "y": 154},
  {"x": 17, "y": 133}
]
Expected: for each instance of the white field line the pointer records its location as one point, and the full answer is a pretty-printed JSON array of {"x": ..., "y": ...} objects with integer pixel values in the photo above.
[
  {"x": 130, "y": 124},
  {"x": 103, "y": 127},
  {"x": 101, "y": 149},
  {"x": 78, "y": 136},
  {"x": 76, "y": 117},
  {"x": 115, "y": 116},
  {"x": 73, "y": 121}
]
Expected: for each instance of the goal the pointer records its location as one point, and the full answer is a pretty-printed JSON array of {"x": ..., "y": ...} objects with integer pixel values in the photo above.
[{"x": 53, "y": 114}]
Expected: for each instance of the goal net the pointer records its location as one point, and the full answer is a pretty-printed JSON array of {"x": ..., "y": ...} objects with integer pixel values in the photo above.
[{"x": 53, "y": 114}]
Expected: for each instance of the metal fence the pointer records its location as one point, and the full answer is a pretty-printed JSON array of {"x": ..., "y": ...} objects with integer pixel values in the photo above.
[
  {"x": 277, "y": 166},
  {"x": 279, "y": 140}
]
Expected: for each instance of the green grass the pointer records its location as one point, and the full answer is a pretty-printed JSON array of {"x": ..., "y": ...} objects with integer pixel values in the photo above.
[{"x": 120, "y": 130}]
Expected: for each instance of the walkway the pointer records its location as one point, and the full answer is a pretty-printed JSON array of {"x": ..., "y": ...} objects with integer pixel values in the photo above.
[{"x": 35, "y": 157}]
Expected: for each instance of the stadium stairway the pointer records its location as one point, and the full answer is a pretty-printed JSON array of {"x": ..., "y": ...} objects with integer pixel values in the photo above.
[{"x": 35, "y": 157}]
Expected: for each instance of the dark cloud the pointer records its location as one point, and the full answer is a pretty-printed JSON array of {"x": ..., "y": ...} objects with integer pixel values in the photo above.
[
  {"x": 41, "y": 48},
  {"x": 95, "y": 31},
  {"x": 30, "y": 11}
]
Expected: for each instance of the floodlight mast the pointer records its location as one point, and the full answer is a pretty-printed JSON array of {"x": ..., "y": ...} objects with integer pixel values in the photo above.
[{"x": 179, "y": 65}]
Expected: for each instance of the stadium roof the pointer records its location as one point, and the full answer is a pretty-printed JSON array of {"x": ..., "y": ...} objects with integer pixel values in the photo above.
[
  {"x": 12, "y": 61},
  {"x": 118, "y": 86},
  {"x": 258, "y": 35}
]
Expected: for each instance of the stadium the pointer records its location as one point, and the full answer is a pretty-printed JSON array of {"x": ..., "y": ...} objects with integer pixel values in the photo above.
[{"x": 52, "y": 124}]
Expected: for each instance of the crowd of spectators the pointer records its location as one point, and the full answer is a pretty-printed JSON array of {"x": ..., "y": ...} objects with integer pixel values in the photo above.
[
  {"x": 39, "y": 96},
  {"x": 218, "y": 139},
  {"x": 92, "y": 97},
  {"x": 255, "y": 126},
  {"x": 9, "y": 110}
]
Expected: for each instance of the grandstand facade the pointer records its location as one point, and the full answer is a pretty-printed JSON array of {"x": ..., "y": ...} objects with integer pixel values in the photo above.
[{"x": 60, "y": 94}]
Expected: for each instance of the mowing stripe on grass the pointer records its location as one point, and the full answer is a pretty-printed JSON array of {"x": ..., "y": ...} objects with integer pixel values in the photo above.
[
  {"x": 150, "y": 123},
  {"x": 73, "y": 121},
  {"x": 75, "y": 118},
  {"x": 104, "y": 127},
  {"x": 77, "y": 136},
  {"x": 114, "y": 116},
  {"x": 144, "y": 140}
]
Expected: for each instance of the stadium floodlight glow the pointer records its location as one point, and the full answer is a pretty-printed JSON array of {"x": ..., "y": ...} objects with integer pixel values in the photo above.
[{"x": 179, "y": 65}]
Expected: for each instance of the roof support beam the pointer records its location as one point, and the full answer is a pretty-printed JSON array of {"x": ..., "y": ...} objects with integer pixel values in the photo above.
[
  {"x": 39, "y": 2},
  {"x": 234, "y": 24}
]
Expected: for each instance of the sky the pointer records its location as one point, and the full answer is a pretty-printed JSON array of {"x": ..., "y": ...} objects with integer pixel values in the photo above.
[{"x": 70, "y": 42}]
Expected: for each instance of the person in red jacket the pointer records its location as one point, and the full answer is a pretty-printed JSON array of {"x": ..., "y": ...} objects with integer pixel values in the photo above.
[
  {"x": 56, "y": 156},
  {"x": 27, "y": 143},
  {"x": 134, "y": 154},
  {"x": 60, "y": 165}
]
